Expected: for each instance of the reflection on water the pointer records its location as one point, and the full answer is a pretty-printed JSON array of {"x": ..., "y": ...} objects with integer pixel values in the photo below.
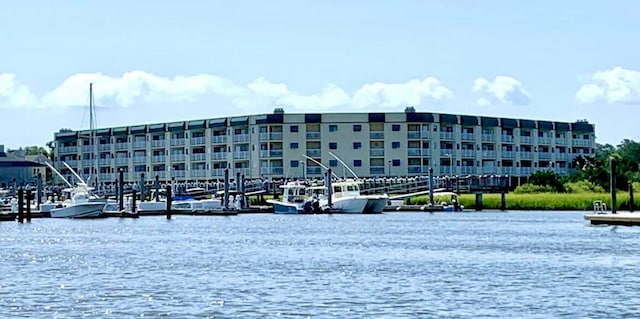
[{"x": 536, "y": 264}]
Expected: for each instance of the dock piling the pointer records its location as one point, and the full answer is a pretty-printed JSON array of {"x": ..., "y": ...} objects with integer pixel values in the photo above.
[
  {"x": 478, "y": 201},
  {"x": 39, "y": 191},
  {"x": 20, "y": 205},
  {"x": 612, "y": 187},
  {"x": 503, "y": 201},
  {"x": 29, "y": 196},
  {"x": 157, "y": 186},
  {"x": 226, "y": 188},
  {"x": 141, "y": 186},
  {"x": 329, "y": 187},
  {"x": 121, "y": 188},
  {"x": 431, "y": 186},
  {"x": 631, "y": 202},
  {"x": 243, "y": 189},
  {"x": 133, "y": 201},
  {"x": 168, "y": 189}
]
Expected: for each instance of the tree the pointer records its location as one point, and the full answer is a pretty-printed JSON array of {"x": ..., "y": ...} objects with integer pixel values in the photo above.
[
  {"x": 52, "y": 147},
  {"x": 36, "y": 150},
  {"x": 547, "y": 178}
]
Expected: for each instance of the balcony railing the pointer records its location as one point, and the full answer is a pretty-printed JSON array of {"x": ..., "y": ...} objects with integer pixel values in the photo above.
[
  {"x": 217, "y": 172},
  {"x": 199, "y": 173},
  {"x": 526, "y": 139},
  {"x": 243, "y": 171},
  {"x": 178, "y": 173},
  {"x": 313, "y": 135},
  {"x": 468, "y": 170},
  {"x": 446, "y": 135},
  {"x": 200, "y": 140},
  {"x": 526, "y": 155},
  {"x": 104, "y": 161},
  {"x": 314, "y": 152},
  {"x": 314, "y": 170},
  {"x": 216, "y": 156},
  {"x": 526, "y": 171},
  {"x": 160, "y": 174},
  {"x": 445, "y": 170},
  {"x": 104, "y": 147},
  {"x": 562, "y": 156},
  {"x": 139, "y": 144},
  {"x": 488, "y": 154},
  {"x": 580, "y": 142},
  {"x": 158, "y": 143},
  {"x": 376, "y": 135},
  {"x": 508, "y": 154},
  {"x": 89, "y": 148},
  {"x": 277, "y": 136},
  {"x": 488, "y": 137},
  {"x": 139, "y": 159},
  {"x": 270, "y": 153},
  {"x": 447, "y": 152},
  {"x": 507, "y": 138},
  {"x": 121, "y": 146},
  {"x": 544, "y": 140},
  {"x": 272, "y": 170},
  {"x": 544, "y": 155},
  {"x": 122, "y": 161},
  {"x": 414, "y": 169},
  {"x": 87, "y": 162},
  {"x": 377, "y": 152},
  {"x": 413, "y": 135},
  {"x": 219, "y": 139},
  {"x": 468, "y": 136},
  {"x": 468, "y": 153},
  {"x": 198, "y": 157},
  {"x": 508, "y": 170},
  {"x": 177, "y": 142},
  {"x": 489, "y": 170},
  {"x": 177, "y": 157},
  {"x": 106, "y": 177},
  {"x": 158, "y": 159},
  {"x": 241, "y": 155},
  {"x": 426, "y": 152},
  {"x": 241, "y": 138},
  {"x": 376, "y": 170},
  {"x": 413, "y": 152},
  {"x": 561, "y": 141},
  {"x": 68, "y": 149}
]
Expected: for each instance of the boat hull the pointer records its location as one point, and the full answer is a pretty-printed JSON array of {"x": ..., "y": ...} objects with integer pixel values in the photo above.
[
  {"x": 375, "y": 204},
  {"x": 83, "y": 210},
  {"x": 285, "y": 208},
  {"x": 350, "y": 204}
]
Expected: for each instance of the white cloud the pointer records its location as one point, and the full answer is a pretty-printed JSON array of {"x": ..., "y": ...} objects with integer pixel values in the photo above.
[
  {"x": 503, "y": 90},
  {"x": 613, "y": 86},
  {"x": 142, "y": 88}
]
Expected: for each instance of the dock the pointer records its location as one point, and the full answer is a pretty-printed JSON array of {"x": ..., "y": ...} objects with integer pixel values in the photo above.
[{"x": 619, "y": 218}]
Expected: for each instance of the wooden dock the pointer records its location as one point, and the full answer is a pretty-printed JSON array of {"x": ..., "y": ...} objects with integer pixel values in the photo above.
[{"x": 619, "y": 218}]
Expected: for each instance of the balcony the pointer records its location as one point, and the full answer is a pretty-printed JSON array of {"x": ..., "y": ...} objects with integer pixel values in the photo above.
[
  {"x": 87, "y": 162},
  {"x": 580, "y": 142},
  {"x": 446, "y": 170},
  {"x": 413, "y": 152},
  {"x": 68, "y": 150},
  {"x": 562, "y": 156},
  {"x": 507, "y": 138},
  {"x": 241, "y": 138},
  {"x": 544, "y": 140},
  {"x": 376, "y": 152},
  {"x": 160, "y": 174},
  {"x": 104, "y": 147},
  {"x": 218, "y": 172},
  {"x": 376, "y": 170},
  {"x": 89, "y": 148},
  {"x": 468, "y": 136},
  {"x": 526, "y": 171},
  {"x": 122, "y": 161},
  {"x": 177, "y": 158},
  {"x": 468, "y": 170},
  {"x": 218, "y": 156},
  {"x": 488, "y": 154},
  {"x": 526, "y": 139},
  {"x": 270, "y": 153},
  {"x": 199, "y": 173},
  {"x": 158, "y": 144},
  {"x": 104, "y": 162},
  {"x": 561, "y": 141},
  {"x": 508, "y": 154},
  {"x": 139, "y": 159},
  {"x": 178, "y": 173},
  {"x": 199, "y": 157},
  {"x": 468, "y": 153},
  {"x": 376, "y": 135},
  {"x": 197, "y": 140},
  {"x": 447, "y": 152},
  {"x": 314, "y": 152},
  {"x": 270, "y": 136},
  {"x": 106, "y": 177},
  {"x": 413, "y": 135},
  {"x": 313, "y": 135},
  {"x": 544, "y": 155},
  {"x": 243, "y": 171},
  {"x": 526, "y": 155},
  {"x": 158, "y": 159},
  {"x": 314, "y": 170},
  {"x": 562, "y": 171},
  {"x": 219, "y": 139},
  {"x": 426, "y": 152},
  {"x": 139, "y": 144},
  {"x": 272, "y": 170},
  {"x": 446, "y": 135},
  {"x": 177, "y": 142},
  {"x": 488, "y": 137},
  {"x": 489, "y": 170},
  {"x": 508, "y": 170},
  {"x": 241, "y": 155},
  {"x": 121, "y": 146}
]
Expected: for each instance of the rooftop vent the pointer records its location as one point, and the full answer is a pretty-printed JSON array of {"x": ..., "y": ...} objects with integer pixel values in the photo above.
[
  {"x": 278, "y": 110},
  {"x": 409, "y": 109}
]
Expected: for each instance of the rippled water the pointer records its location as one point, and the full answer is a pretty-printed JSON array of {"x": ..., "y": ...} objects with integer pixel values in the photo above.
[{"x": 395, "y": 265}]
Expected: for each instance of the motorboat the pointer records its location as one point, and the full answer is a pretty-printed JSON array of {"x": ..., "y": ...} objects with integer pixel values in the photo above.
[
  {"x": 81, "y": 205},
  {"x": 295, "y": 200},
  {"x": 347, "y": 198}
]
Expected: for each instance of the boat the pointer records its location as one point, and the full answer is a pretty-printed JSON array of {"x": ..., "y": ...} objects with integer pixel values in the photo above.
[
  {"x": 7, "y": 216},
  {"x": 295, "y": 200},
  {"x": 81, "y": 204}
]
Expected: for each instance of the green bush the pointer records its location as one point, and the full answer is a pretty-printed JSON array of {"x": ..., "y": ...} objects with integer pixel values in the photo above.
[
  {"x": 583, "y": 187},
  {"x": 531, "y": 188}
]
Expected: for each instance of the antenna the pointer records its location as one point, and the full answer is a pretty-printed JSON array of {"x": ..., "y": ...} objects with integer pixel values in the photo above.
[
  {"x": 323, "y": 166},
  {"x": 345, "y": 165},
  {"x": 58, "y": 173},
  {"x": 74, "y": 173}
]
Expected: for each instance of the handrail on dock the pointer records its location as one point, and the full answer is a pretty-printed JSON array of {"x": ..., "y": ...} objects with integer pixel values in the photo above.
[{"x": 599, "y": 207}]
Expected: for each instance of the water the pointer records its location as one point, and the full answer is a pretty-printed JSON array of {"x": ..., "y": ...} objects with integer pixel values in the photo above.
[{"x": 395, "y": 265}]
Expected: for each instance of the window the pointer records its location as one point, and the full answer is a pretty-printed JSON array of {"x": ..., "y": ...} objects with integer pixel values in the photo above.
[
  {"x": 333, "y": 146},
  {"x": 357, "y": 145},
  {"x": 357, "y": 163},
  {"x": 333, "y": 128},
  {"x": 293, "y": 128},
  {"x": 395, "y": 127},
  {"x": 333, "y": 163},
  {"x": 357, "y": 127},
  {"x": 294, "y": 163},
  {"x": 395, "y": 162},
  {"x": 395, "y": 144},
  {"x": 293, "y": 145}
]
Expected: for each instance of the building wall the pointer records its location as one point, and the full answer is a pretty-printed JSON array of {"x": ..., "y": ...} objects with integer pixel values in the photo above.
[{"x": 371, "y": 144}]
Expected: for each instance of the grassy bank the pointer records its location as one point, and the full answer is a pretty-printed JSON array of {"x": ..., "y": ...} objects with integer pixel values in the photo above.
[{"x": 539, "y": 201}]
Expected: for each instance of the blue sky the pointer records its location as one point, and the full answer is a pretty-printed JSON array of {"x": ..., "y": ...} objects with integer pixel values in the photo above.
[{"x": 154, "y": 61}]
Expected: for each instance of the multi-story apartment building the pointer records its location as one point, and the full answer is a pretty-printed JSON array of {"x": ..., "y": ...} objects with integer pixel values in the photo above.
[{"x": 372, "y": 144}]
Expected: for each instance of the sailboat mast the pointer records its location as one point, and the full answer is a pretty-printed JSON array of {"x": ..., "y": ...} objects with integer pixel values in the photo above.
[{"x": 92, "y": 128}]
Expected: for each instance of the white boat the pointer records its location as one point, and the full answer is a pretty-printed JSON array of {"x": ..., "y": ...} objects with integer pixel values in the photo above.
[
  {"x": 294, "y": 199},
  {"x": 81, "y": 205},
  {"x": 346, "y": 198}
]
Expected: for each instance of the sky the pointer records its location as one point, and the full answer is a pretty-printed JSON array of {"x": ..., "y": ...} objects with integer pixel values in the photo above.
[{"x": 160, "y": 61}]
